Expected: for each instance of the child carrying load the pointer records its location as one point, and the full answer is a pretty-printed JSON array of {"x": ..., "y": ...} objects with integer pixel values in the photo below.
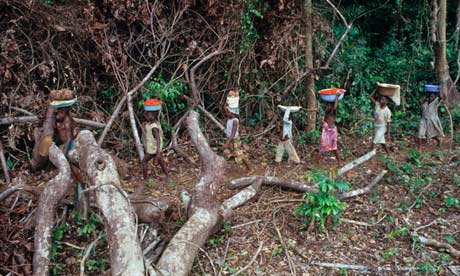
[
  {"x": 285, "y": 143},
  {"x": 233, "y": 147}
]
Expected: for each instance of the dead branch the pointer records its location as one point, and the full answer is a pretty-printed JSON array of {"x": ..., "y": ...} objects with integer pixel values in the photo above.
[
  {"x": 356, "y": 162},
  {"x": 86, "y": 255},
  {"x": 34, "y": 118},
  {"x": 209, "y": 115},
  {"x": 178, "y": 257},
  {"x": 193, "y": 86},
  {"x": 53, "y": 193},
  {"x": 274, "y": 181},
  {"x": 132, "y": 120},
  {"x": 240, "y": 198},
  {"x": 364, "y": 190},
  {"x": 4, "y": 165},
  {"x": 19, "y": 187},
  {"x": 99, "y": 167},
  {"x": 253, "y": 259}
]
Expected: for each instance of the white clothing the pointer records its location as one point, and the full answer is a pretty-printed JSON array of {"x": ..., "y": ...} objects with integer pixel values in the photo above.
[{"x": 229, "y": 129}]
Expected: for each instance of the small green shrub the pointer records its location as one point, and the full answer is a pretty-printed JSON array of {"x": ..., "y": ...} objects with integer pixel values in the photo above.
[{"x": 318, "y": 207}]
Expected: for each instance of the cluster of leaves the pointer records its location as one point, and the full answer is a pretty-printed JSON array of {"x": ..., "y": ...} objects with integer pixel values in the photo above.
[
  {"x": 168, "y": 92},
  {"x": 318, "y": 207},
  {"x": 249, "y": 32}
]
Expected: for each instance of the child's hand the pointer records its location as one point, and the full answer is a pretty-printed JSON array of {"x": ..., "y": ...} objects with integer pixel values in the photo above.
[{"x": 421, "y": 100}]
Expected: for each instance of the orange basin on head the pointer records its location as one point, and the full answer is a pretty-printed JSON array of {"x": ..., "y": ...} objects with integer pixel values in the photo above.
[{"x": 331, "y": 91}]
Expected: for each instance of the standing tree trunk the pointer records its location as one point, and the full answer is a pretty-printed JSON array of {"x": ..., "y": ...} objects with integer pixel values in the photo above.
[
  {"x": 439, "y": 36},
  {"x": 310, "y": 81}
]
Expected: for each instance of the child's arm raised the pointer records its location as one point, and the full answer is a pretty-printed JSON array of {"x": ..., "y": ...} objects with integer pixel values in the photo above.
[
  {"x": 68, "y": 134},
  {"x": 336, "y": 103},
  {"x": 373, "y": 100}
]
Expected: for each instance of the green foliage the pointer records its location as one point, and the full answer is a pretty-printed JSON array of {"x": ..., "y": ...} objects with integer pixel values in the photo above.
[
  {"x": 248, "y": 29},
  {"x": 168, "y": 92},
  {"x": 389, "y": 253},
  {"x": 318, "y": 207},
  {"x": 89, "y": 227},
  {"x": 396, "y": 233},
  {"x": 426, "y": 268},
  {"x": 452, "y": 201}
]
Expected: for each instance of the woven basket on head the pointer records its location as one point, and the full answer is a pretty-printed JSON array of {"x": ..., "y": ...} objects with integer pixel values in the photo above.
[{"x": 62, "y": 94}]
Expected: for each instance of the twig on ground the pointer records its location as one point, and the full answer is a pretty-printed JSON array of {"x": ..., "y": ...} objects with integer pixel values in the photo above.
[
  {"x": 252, "y": 260},
  {"x": 356, "y": 162},
  {"x": 4, "y": 165},
  {"x": 86, "y": 255},
  {"x": 286, "y": 250}
]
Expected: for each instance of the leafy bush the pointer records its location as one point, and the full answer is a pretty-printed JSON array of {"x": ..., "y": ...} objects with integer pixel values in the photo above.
[
  {"x": 168, "y": 92},
  {"x": 318, "y": 207}
]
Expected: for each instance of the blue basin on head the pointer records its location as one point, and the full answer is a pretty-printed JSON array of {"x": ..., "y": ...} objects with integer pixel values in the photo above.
[{"x": 430, "y": 88}]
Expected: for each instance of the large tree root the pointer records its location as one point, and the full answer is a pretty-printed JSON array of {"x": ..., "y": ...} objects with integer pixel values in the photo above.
[
  {"x": 50, "y": 197},
  {"x": 178, "y": 257},
  {"x": 125, "y": 251}
]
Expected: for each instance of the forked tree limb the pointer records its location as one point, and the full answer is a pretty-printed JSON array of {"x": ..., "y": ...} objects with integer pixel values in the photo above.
[
  {"x": 240, "y": 198},
  {"x": 178, "y": 257},
  {"x": 54, "y": 191},
  {"x": 353, "y": 164},
  {"x": 119, "y": 222},
  {"x": 364, "y": 190},
  {"x": 431, "y": 242}
]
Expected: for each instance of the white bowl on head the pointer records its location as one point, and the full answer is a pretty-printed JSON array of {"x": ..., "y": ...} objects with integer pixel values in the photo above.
[
  {"x": 292, "y": 109},
  {"x": 330, "y": 98},
  {"x": 233, "y": 102}
]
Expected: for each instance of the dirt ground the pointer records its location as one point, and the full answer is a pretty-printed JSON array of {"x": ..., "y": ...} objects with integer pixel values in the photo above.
[{"x": 420, "y": 189}]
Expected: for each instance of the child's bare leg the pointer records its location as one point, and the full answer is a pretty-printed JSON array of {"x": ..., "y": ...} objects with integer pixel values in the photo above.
[
  {"x": 318, "y": 157},
  {"x": 247, "y": 165},
  {"x": 387, "y": 150},
  {"x": 163, "y": 167},
  {"x": 419, "y": 143},
  {"x": 337, "y": 155},
  {"x": 437, "y": 141},
  {"x": 145, "y": 163}
]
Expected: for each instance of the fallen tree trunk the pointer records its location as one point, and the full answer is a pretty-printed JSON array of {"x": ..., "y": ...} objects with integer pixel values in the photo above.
[
  {"x": 50, "y": 197},
  {"x": 125, "y": 251},
  {"x": 178, "y": 257},
  {"x": 364, "y": 190},
  {"x": 355, "y": 163}
]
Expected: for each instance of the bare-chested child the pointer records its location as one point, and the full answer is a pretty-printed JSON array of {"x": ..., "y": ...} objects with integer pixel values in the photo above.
[
  {"x": 329, "y": 134},
  {"x": 153, "y": 141},
  {"x": 65, "y": 126}
]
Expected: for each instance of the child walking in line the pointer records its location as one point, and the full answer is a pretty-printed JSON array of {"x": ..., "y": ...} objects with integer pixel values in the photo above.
[
  {"x": 233, "y": 147},
  {"x": 153, "y": 139},
  {"x": 430, "y": 125},
  {"x": 285, "y": 143},
  {"x": 382, "y": 120},
  {"x": 329, "y": 135}
]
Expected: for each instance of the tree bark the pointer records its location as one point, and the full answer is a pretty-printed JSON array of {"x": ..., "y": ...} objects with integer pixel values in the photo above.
[
  {"x": 54, "y": 191},
  {"x": 132, "y": 120},
  {"x": 310, "y": 79},
  {"x": 442, "y": 67},
  {"x": 125, "y": 251},
  {"x": 177, "y": 259},
  {"x": 47, "y": 129}
]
